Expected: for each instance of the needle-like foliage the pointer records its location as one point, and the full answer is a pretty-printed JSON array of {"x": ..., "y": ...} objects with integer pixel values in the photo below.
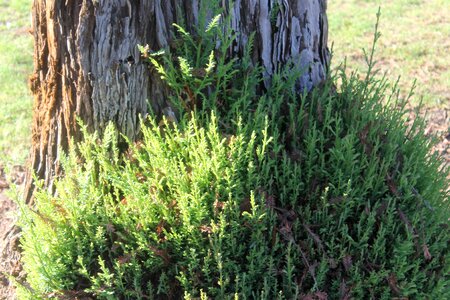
[{"x": 247, "y": 194}]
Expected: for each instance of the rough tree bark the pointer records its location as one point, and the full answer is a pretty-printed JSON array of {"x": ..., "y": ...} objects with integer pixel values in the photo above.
[{"x": 87, "y": 64}]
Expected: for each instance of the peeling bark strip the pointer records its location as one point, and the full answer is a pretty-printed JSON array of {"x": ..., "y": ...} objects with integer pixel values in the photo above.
[{"x": 87, "y": 63}]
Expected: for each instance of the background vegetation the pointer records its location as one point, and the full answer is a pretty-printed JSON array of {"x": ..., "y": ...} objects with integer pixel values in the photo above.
[{"x": 414, "y": 43}]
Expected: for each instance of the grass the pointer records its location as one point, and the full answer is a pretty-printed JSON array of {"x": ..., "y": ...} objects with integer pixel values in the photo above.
[
  {"x": 16, "y": 56},
  {"x": 414, "y": 42}
]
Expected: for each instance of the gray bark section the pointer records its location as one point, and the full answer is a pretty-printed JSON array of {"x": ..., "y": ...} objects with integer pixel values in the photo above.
[{"x": 286, "y": 31}]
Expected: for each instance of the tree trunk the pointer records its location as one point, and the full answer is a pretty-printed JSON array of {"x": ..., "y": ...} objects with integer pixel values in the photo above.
[{"x": 87, "y": 64}]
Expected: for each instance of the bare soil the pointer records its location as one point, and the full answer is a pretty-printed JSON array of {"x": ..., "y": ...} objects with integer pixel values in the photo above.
[
  {"x": 9, "y": 233},
  {"x": 438, "y": 125}
]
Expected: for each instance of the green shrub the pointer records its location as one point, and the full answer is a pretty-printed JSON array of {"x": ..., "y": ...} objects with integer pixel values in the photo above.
[{"x": 247, "y": 196}]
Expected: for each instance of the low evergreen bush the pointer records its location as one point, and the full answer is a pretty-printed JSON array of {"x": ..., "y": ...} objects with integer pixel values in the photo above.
[{"x": 247, "y": 195}]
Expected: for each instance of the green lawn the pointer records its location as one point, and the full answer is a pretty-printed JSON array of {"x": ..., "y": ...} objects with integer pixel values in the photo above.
[
  {"x": 415, "y": 42},
  {"x": 16, "y": 60}
]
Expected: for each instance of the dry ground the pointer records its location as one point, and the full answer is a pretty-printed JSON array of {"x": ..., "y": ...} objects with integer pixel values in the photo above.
[{"x": 9, "y": 235}]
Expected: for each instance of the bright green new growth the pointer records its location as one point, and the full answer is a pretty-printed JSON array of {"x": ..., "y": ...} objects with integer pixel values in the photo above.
[{"x": 247, "y": 196}]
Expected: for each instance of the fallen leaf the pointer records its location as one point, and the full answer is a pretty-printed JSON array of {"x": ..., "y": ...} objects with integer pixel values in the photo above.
[
  {"x": 124, "y": 259},
  {"x": 321, "y": 295},
  {"x": 391, "y": 185},
  {"x": 110, "y": 228},
  {"x": 160, "y": 229},
  {"x": 140, "y": 177},
  {"x": 319, "y": 112},
  {"x": 218, "y": 205},
  {"x": 392, "y": 281},
  {"x": 335, "y": 200},
  {"x": 382, "y": 209},
  {"x": 426, "y": 252},
  {"x": 206, "y": 229},
  {"x": 245, "y": 206},
  {"x": 315, "y": 237},
  {"x": 347, "y": 262},
  {"x": 115, "y": 247},
  {"x": 198, "y": 72},
  {"x": 363, "y": 134},
  {"x": 3, "y": 184},
  {"x": 344, "y": 291},
  {"x": 270, "y": 201},
  {"x": 274, "y": 236},
  {"x": 295, "y": 155},
  {"x": 161, "y": 253},
  {"x": 332, "y": 263},
  {"x": 405, "y": 220},
  {"x": 286, "y": 231},
  {"x": 315, "y": 296}
]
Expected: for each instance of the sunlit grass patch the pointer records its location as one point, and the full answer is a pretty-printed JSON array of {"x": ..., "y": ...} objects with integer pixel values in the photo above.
[
  {"x": 414, "y": 43},
  {"x": 16, "y": 56}
]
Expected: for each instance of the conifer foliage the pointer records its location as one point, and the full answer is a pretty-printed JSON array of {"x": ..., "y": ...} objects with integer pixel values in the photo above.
[{"x": 238, "y": 194}]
